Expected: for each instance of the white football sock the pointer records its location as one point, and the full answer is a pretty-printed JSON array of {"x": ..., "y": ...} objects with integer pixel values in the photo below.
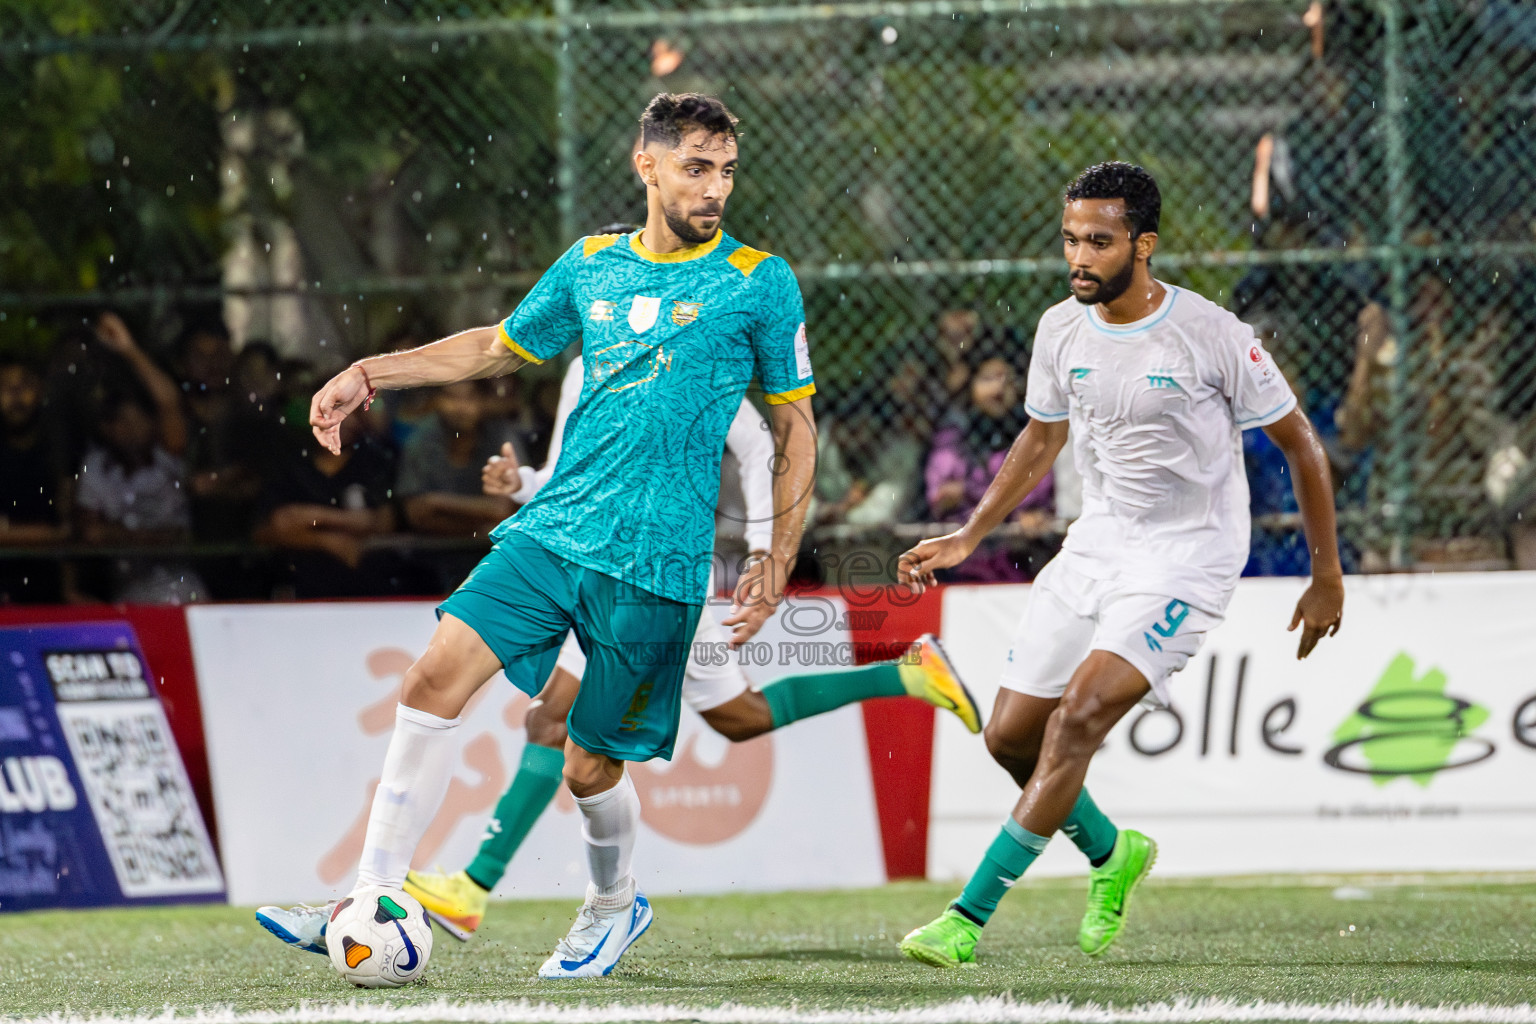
[
  {"x": 417, "y": 770},
  {"x": 608, "y": 826}
]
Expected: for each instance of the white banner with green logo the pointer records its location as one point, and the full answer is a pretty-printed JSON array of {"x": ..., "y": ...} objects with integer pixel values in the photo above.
[{"x": 1405, "y": 743}]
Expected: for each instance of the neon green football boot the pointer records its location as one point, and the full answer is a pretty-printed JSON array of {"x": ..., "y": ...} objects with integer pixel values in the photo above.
[
  {"x": 1109, "y": 890},
  {"x": 949, "y": 941}
]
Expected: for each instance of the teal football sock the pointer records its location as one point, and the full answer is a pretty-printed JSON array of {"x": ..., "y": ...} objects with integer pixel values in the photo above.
[
  {"x": 1090, "y": 830},
  {"x": 796, "y": 697},
  {"x": 1014, "y": 850},
  {"x": 533, "y": 787}
]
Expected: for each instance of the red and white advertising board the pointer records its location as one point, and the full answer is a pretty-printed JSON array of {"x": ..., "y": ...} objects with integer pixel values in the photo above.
[
  {"x": 298, "y": 702},
  {"x": 1405, "y": 743}
]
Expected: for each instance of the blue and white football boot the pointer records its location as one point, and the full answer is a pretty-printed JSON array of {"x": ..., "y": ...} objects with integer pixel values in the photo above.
[
  {"x": 302, "y": 926},
  {"x": 604, "y": 929}
]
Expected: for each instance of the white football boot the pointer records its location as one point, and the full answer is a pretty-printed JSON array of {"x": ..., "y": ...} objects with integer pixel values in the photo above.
[
  {"x": 302, "y": 926},
  {"x": 601, "y": 934}
]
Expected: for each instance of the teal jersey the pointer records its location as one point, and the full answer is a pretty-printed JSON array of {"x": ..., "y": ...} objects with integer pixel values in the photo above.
[{"x": 670, "y": 342}]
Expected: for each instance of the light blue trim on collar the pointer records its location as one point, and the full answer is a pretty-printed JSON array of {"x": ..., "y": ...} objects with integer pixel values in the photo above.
[{"x": 1121, "y": 330}]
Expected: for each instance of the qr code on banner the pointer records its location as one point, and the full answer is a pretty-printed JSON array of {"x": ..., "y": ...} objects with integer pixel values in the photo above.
[{"x": 139, "y": 793}]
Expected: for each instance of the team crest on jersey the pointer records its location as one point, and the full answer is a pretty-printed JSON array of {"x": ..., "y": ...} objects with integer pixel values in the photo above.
[
  {"x": 685, "y": 313},
  {"x": 602, "y": 309},
  {"x": 643, "y": 312}
]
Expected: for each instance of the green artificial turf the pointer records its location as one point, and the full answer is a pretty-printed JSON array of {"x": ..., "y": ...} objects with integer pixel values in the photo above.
[{"x": 1428, "y": 944}]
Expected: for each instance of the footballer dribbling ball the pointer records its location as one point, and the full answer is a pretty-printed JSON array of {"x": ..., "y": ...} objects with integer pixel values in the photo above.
[{"x": 379, "y": 937}]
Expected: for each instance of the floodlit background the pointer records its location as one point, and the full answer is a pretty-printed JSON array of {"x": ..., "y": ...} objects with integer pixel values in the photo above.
[
  {"x": 338, "y": 178},
  {"x": 209, "y": 206}
]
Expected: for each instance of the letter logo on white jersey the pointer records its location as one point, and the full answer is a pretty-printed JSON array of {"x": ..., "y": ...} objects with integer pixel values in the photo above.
[{"x": 643, "y": 312}]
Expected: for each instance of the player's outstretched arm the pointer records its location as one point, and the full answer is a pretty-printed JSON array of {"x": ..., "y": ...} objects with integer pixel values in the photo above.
[
  {"x": 1030, "y": 458},
  {"x": 468, "y": 355},
  {"x": 761, "y": 587},
  {"x": 1321, "y": 608}
]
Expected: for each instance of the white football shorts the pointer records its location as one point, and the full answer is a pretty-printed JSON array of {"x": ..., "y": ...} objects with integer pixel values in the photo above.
[
  {"x": 713, "y": 676},
  {"x": 1069, "y": 614}
]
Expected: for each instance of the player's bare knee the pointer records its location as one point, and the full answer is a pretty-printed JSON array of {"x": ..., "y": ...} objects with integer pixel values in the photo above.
[
  {"x": 1083, "y": 719},
  {"x": 739, "y": 731},
  {"x": 1016, "y": 758},
  {"x": 583, "y": 779},
  {"x": 427, "y": 688},
  {"x": 545, "y": 727},
  {"x": 742, "y": 718},
  {"x": 588, "y": 774}
]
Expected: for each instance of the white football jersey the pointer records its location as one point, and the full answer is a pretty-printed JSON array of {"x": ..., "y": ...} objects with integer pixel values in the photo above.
[{"x": 1157, "y": 409}]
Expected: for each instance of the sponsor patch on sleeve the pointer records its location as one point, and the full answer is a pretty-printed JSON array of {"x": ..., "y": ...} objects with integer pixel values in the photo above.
[
  {"x": 1260, "y": 367},
  {"x": 802, "y": 353}
]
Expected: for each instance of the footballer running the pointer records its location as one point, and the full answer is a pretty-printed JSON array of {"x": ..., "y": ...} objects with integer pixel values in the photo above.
[{"x": 1154, "y": 384}]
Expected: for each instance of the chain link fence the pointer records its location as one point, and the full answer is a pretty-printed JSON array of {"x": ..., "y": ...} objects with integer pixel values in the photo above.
[{"x": 1356, "y": 179}]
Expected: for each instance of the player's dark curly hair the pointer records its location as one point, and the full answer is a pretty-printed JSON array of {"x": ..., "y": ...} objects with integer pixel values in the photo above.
[
  {"x": 1117, "y": 179},
  {"x": 670, "y": 116}
]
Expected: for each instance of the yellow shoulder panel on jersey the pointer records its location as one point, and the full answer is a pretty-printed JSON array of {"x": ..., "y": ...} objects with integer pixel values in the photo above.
[
  {"x": 597, "y": 243},
  {"x": 746, "y": 259}
]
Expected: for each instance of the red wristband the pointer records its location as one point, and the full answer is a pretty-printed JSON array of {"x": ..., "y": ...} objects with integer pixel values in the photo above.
[{"x": 372, "y": 391}]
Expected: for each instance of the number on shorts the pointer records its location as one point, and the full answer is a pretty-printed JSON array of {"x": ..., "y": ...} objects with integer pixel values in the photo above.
[{"x": 1176, "y": 613}]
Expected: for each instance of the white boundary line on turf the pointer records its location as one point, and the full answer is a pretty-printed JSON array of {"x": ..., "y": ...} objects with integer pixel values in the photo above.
[{"x": 991, "y": 1010}]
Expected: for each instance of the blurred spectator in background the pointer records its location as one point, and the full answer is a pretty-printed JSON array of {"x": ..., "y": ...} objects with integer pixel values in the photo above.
[
  {"x": 258, "y": 380},
  {"x": 263, "y": 421},
  {"x": 952, "y": 351},
  {"x": 325, "y": 508},
  {"x": 969, "y": 447},
  {"x": 300, "y": 382},
  {"x": 205, "y": 359},
  {"x": 79, "y": 371},
  {"x": 508, "y": 399},
  {"x": 439, "y": 484},
  {"x": 836, "y": 489},
  {"x": 223, "y": 460},
  {"x": 1453, "y": 393},
  {"x": 32, "y": 487},
  {"x": 1315, "y": 185},
  {"x": 1475, "y": 147},
  {"x": 130, "y": 488},
  {"x": 872, "y": 447},
  {"x": 1463, "y": 425}
]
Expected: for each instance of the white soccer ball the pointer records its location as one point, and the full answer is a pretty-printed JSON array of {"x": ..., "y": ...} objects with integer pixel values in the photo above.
[{"x": 379, "y": 937}]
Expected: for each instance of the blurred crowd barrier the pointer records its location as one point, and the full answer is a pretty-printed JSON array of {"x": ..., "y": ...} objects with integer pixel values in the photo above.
[{"x": 1355, "y": 178}]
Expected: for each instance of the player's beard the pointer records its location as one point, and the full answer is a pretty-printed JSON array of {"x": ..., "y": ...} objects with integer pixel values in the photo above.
[
  {"x": 1111, "y": 289},
  {"x": 685, "y": 231}
]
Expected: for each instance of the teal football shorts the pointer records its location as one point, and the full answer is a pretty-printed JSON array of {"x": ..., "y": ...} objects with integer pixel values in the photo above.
[{"x": 522, "y": 599}]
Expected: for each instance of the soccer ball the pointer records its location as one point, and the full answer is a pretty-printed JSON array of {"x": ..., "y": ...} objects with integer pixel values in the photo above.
[{"x": 379, "y": 937}]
